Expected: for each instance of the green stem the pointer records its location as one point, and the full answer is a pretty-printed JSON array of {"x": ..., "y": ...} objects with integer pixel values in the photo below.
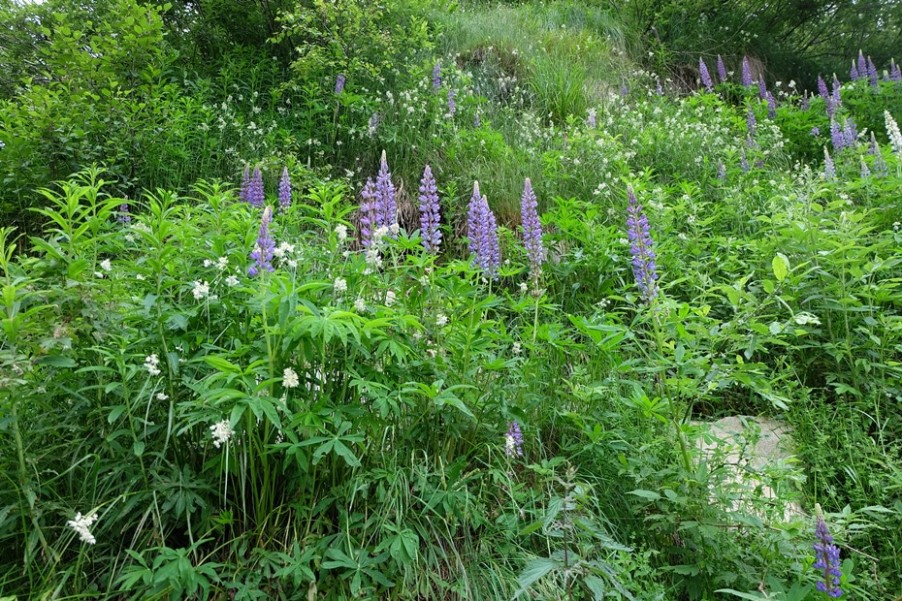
[
  {"x": 535, "y": 317},
  {"x": 659, "y": 341}
]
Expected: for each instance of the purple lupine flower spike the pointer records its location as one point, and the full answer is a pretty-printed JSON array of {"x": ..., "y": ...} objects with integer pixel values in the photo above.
[
  {"x": 124, "y": 214},
  {"x": 642, "y": 248},
  {"x": 373, "y": 125},
  {"x": 513, "y": 440},
  {"x": 815, "y": 131},
  {"x": 853, "y": 72},
  {"x": 245, "y": 185},
  {"x": 255, "y": 194},
  {"x": 532, "y": 229},
  {"x": 659, "y": 90},
  {"x": 880, "y": 168},
  {"x": 437, "y": 76},
  {"x": 482, "y": 231},
  {"x": 865, "y": 172},
  {"x": 386, "y": 207},
  {"x": 721, "y": 69},
  {"x": 826, "y": 559},
  {"x": 592, "y": 118},
  {"x": 805, "y": 101},
  {"x": 368, "y": 218},
  {"x": 452, "y": 104},
  {"x": 492, "y": 239},
  {"x": 430, "y": 233},
  {"x": 862, "y": 64},
  {"x": 837, "y": 97},
  {"x": 762, "y": 88},
  {"x": 836, "y": 136},
  {"x": 771, "y": 106},
  {"x": 746, "y": 72},
  {"x": 705, "y": 75},
  {"x": 895, "y": 72},
  {"x": 624, "y": 90},
  {"x": 829, "y": 167},
  {"x": 849, "y": 133},
  {"x": 743, "y": 161},
  {"x": 873, "y": 77},
  {"x": 721, "y": 171},
  {"x": 751, "y": 123},
  {"x": 340, "y": 83},
  {"x": 873, "y": 149},
  {"x": 262, "y": 254},
  {"x": 473, "y": 219},
  {"x": 285, "y": 190},
  {"x": 822, "y": 88}
]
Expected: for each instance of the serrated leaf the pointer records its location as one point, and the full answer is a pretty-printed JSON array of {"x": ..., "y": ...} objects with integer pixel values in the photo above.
[
  {"x": 177, "y": 321},
  {"x": 534, "y": 570}
]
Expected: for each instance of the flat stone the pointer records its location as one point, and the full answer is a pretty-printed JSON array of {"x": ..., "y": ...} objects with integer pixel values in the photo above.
[{"x": 752, "y": 458}]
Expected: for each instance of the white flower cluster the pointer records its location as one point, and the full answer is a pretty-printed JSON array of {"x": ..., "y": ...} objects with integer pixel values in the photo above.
[
  {"x": 892, "y": 130},
  {"x": 282, "y": 249},
  {"x": 152, "y": 364},
  {"x": 82, "y": 525},
  {"x": 290, "y": 378},
  {"x": 804, "y": 319},
  {"x": 222, "y": 432},
  {"x": 373, "y": 260},
  {"x": 222, "y": 263},
  {"x": 373, "y": 254},
  {"x": 340, "y": 286},
  {"x": 200, "y": 290}
]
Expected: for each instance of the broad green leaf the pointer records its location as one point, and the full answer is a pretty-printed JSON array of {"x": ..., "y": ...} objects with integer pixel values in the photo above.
[
  {"x": 534, "y": 570},
  {"x": 780, "y": 265}
]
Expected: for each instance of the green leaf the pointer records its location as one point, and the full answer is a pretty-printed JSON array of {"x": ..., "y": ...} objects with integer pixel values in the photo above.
[
  {"x": 58, "y": 361},
  {"x": 221, "y": 364},
  {"x": 646, "y": 494},
  {"x": 340, "y": 449},
  {"x": 741, "y": 595},
  {"x": 780, "y": 265},
  {"x": 596, "y": 585},
  {"x": 138, "y": 448},
  {"x": 534, "y": 570},
  {"x": 177, "y": 321},
  {"x": 115, "y": 413}
]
